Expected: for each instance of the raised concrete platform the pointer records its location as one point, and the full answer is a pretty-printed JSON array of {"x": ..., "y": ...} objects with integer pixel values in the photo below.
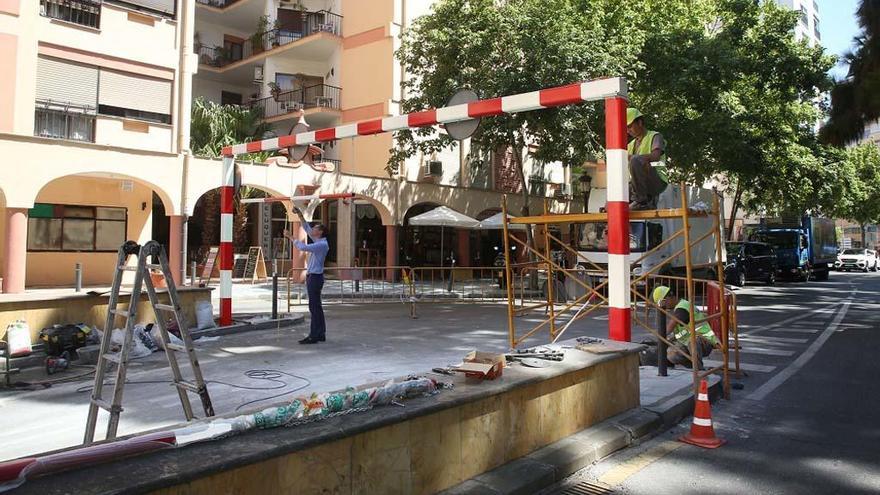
[{"x": 428, "y": 445}]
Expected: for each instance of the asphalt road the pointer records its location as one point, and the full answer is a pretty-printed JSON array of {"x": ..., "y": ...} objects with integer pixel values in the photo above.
[{"x": 808, "y": 417}]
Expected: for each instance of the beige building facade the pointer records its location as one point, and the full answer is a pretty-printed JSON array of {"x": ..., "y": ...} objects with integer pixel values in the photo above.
[{"x": 95, "y": 111}]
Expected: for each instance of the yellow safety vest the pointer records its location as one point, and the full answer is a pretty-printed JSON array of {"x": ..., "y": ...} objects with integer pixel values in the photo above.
[
  {"x": 682, "y": 332},
  {"x": 645, "y": 149}
]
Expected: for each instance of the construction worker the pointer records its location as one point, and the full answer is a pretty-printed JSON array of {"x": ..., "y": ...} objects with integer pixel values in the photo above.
[
  {"x": 647, "y": 162},
  {"x": 679, "y": 333}
]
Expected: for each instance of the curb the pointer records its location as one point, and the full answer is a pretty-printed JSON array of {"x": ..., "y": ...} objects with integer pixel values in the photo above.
[{"x": 555, "y": 462}]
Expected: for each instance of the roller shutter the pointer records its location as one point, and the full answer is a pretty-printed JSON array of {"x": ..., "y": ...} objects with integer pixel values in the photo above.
[
  {"x": 135, "y": 92},
  {"x": 162, "y": 6},
  {"x": 67, "y": 82}
]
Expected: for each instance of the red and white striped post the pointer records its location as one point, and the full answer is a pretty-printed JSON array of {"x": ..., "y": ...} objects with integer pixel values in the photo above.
[
  {"x": 612, "y": 90},
  {"x": 226, "y": 213},
  {"x": 617, "y": 206}
]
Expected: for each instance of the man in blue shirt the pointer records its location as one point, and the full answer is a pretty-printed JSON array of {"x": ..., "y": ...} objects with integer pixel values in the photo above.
[{"x": 314, "y": 275}]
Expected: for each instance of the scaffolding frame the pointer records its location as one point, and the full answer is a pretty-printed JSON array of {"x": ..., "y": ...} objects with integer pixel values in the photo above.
[{"x": 726, "y": 313}]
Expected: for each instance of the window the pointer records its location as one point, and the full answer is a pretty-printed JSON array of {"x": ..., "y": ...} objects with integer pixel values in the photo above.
[
  {"x": 286, "y": 82},
  {"x": 230, "y": 98},
  {"x": 78, "y": 228},
  {"x": 82, "y": 12},
  {"x": 123, "y": 94}
]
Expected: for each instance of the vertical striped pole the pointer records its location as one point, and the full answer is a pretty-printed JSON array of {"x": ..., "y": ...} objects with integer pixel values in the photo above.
[
  {"x": 226, "y": 195},
  {"x": 617, "y": 206}
]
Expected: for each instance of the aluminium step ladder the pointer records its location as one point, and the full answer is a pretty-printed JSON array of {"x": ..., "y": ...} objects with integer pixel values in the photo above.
[{"x": 154, "y": 250}]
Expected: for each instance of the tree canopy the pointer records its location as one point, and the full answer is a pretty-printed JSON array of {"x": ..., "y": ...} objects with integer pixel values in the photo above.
[
  {"x": 724, "y": 80},
  {"x": 855, "y": 101}
]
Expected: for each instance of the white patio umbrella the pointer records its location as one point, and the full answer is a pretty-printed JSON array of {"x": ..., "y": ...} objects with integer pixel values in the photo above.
[
  {"x": 495, "y": 222},
  {"x": 443, "y": 217}
]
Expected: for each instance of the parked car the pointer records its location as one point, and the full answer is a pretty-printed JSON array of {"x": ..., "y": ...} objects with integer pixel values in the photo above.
[
  {"x": 857, "y": 259},
  {"x": 750, "y": 261}
]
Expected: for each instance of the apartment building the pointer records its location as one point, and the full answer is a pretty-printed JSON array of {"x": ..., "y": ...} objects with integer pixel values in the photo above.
[
  {"x": 95, "y": 116},
  {"x": 808, "y": 23}
]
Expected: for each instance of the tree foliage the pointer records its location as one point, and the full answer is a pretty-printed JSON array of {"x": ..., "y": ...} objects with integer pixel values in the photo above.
[
  {"x": 855, "y": 101},
  {"x": 724, "y": 81},
  {"x": 214, "y": 126},
  {"x": 862, "y": 163}
]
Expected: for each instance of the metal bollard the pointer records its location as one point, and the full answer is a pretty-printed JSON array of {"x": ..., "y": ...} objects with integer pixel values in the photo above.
[
  {"x": 661, "y": 344},
  {"x": 275, "y": 295},
  {"x": 78, "y": 277},
  {"x": 192, "y": 275}
]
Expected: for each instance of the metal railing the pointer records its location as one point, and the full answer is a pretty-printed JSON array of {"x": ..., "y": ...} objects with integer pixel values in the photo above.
[
  {"x": 317, "y": 96},
  {"x": 313, "y": 23},
  {"x": 356, "y": 284},
  {"x": 82, "y": 12},
  {"x": 64, "y": 121}
]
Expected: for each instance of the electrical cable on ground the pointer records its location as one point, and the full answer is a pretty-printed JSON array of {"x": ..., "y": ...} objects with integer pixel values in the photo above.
[{"x": 269, "y": 375}]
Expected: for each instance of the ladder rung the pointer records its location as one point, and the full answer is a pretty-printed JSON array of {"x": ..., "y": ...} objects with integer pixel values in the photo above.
[
  {"x": 188, "y": 386},
  {"x": 165, "y": 307},
  {"x": 120, "y": 312},
  {"x": 127, "y": 268},
  {"x": 112, "y": 357},
  {"x": 103, "y": 404},
  {"x": 175, "y": 347},
  {"x": 153, "y": 266}
]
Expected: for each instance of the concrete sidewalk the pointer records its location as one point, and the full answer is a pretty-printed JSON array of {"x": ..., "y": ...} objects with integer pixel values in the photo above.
[{"x": 366, "y": 343}]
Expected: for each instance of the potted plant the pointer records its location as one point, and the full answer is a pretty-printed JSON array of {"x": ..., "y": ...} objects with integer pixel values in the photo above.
[
  {"x": 275, "y": 91},
  {"x": 258, "y": 39}
]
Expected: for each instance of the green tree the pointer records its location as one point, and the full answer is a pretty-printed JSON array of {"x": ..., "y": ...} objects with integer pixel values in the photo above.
[
  {"x": 855, "y": 101},
  {"x": 215, "y": 126},
  {"x": 863, "y": 202}
]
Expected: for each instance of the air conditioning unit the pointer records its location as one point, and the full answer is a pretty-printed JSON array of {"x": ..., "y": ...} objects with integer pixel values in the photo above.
[
  {"x": 435, "y": 168},
  {"x": 258, "y": 74}
]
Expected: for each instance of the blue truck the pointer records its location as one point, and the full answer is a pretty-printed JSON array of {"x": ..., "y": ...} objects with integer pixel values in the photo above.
[{"x": 805, "y": 247}]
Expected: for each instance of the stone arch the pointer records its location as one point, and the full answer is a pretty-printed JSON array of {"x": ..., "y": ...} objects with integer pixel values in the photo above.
[{"x": 167, "y": 201}]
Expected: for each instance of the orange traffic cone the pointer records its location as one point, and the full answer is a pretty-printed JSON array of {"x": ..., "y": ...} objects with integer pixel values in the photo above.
[{"x": 702, "y": 434}]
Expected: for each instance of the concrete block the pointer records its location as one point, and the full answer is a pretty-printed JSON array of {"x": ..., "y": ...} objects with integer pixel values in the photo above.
[
  {"x": 605, "y": 438},
  {"x": 637, "y": 422},
  {"x": 520, "y": 477}
]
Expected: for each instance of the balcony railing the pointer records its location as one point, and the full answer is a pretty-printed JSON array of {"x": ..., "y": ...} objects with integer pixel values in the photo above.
[
  {"x": 64, "y": 121},
  {"x": 317, "y": 96},
  {"x": 313, "y": 22},
  {"x": 82, "y": 12}
]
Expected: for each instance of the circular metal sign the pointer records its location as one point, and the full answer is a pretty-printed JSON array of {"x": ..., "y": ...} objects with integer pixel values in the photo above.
[
  {"x": 298, "y": 153},
  {"x": 465, "y": 128}
]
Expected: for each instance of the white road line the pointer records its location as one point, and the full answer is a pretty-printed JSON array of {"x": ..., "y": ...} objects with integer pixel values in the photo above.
[
  {"x": 766, "y": 352},
  {"x": 787, "y": 321},
  {"x": 757, "y": 368},
  {"x": 772, "y": 340},
  {"x": 803, "y": 359},
  {"x": 797, "y": 330}
]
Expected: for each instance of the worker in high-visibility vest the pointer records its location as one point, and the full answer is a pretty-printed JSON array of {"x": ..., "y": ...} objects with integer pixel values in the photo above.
[
  {"x": 647, "y": 162},
  {"x": 679, "y": 333}
]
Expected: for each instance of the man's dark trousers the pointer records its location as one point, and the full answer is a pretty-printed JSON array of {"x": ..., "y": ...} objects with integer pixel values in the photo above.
[{"x": 314, "y": 284}]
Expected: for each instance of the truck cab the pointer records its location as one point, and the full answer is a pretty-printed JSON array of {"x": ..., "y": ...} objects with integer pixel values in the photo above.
[{"x": 805, "y": 247}]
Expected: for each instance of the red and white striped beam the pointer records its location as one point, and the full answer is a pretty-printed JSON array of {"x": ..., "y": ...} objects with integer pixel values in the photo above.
[
  {"x": 226, "y": 255},
  {"x": 612, "y": 90},
  {"x": 311, "y": 197},
  {"x": 617, "y": 206},
  {"x": 536, "y": 100}
]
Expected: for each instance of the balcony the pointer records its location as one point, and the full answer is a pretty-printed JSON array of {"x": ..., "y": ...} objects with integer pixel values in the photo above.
[
  {"x": 58, "y": 120},
  {"x": 321, "y": 104},
  {"x": 272, "y": 41},
  {"x": 83, "y": 12}
]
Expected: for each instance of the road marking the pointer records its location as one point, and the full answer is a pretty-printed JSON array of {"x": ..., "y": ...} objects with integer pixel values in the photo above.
[
  {"x": 797, "y": 330},
  {"x": 772, "y": 340},
  {"x": 793, "y": 319},
  {"x": 619, "y": 473},
  {"x": 766, "y": 352},
  {"x": 757, "y": 368},
  {"x": 803, "y": 359}
]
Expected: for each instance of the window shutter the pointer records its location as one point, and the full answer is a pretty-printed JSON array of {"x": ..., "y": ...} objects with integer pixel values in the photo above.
[
  {"x": 163, "y": 6},
  {"x": 135, "y": 92},
  {"x": 67, "y": 82}
]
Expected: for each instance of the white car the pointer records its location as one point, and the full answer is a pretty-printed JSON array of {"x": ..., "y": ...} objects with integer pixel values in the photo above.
[{"x": 857, "y": 259}]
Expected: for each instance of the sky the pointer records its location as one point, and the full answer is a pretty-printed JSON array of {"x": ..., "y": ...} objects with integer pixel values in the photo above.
[{"x": 838, "y": 27}]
